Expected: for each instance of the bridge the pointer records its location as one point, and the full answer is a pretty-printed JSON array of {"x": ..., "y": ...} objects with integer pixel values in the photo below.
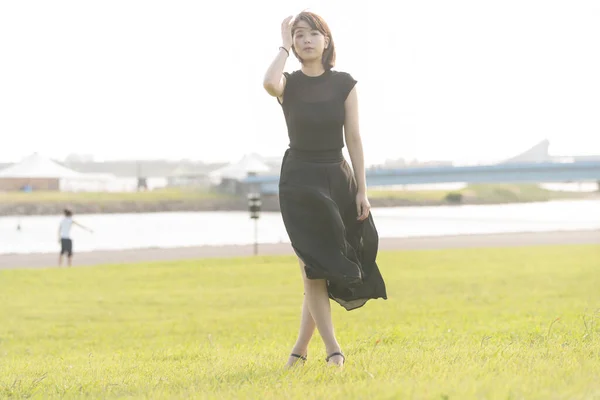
[{"x": 544, "y": 172}]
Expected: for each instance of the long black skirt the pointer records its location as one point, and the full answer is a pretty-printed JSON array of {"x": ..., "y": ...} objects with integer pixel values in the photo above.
[{"x": 317, "y": 197}]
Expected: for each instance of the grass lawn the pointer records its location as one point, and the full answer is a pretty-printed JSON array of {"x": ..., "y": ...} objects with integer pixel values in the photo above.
[
  {"x": 459, "y": 324},
  {"x": 489, "y": 193}
]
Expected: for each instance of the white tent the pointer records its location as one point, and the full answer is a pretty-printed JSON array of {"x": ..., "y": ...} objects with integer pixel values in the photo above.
[
  {"x": 89, "y": 182},
  {"x": 37, "y": 166},
  {"x": 249, "y": 164}
]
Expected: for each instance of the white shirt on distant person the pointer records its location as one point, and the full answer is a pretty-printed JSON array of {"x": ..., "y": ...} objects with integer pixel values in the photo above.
[{"x": 65, "y": 227}]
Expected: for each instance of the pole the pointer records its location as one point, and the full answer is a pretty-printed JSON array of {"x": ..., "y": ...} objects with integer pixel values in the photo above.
[
  {"x": 255, "y": 236},
  {"x": 254, "y": 204}
]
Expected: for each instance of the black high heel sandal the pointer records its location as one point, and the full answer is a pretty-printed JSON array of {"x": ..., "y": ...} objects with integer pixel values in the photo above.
[
  {"x": 303, "y": 358},
  {"x": 336, "y": 354}
]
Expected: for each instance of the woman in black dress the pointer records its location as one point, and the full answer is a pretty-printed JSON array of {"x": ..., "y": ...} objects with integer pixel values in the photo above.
[{"x": 323, "y": 201}]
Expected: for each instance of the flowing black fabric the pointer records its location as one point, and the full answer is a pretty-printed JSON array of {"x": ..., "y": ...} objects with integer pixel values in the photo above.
[{"x": 318, "y": 205}]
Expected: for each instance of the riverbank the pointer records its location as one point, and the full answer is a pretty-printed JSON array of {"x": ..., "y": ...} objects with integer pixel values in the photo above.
[
  {"x": 41, "y": 260},
  {"x": 169, "y": 200}
]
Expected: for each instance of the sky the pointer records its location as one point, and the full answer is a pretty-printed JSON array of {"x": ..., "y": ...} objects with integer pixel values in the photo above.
[{"x": 467, "y": 81}]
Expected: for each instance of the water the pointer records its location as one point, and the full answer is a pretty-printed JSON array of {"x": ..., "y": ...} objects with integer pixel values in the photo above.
[{"x": 127, "y": 231}]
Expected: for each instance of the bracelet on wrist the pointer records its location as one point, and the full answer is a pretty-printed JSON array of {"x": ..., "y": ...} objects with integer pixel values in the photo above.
[{"x": 284, "y": 49}]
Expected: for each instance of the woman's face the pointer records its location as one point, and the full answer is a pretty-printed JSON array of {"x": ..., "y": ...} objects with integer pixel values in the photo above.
[{"x": 309, "y": 43}]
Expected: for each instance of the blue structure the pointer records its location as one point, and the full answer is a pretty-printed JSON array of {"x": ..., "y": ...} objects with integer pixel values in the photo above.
[{"x": 502, "y": 173}]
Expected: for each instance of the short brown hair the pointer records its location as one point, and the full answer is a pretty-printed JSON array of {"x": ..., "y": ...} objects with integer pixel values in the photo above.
[{"x": 318, "y": 23}]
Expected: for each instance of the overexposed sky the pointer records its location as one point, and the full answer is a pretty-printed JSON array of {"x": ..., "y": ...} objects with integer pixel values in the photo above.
[{"x": 468, "y": 81}]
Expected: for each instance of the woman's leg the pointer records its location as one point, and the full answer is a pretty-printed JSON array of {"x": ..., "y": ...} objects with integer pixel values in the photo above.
[
  {"x": 316, "y": 299},
  {"x": 307, "y": 328}
]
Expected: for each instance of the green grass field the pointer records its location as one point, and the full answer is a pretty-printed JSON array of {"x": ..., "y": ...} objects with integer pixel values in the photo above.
[
  {"x": 486, "y": 193},
  {"x": 518, "y": 323},
  {"x": 490, "y": 193}
]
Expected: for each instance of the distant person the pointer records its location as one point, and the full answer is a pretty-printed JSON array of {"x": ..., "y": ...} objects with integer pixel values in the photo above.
[
  {"x": 323, "y": 202},
  {"x": 64, "y": 236}
]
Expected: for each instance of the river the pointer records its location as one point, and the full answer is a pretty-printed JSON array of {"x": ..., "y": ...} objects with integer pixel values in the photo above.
[{"x": 129, "y": 231}]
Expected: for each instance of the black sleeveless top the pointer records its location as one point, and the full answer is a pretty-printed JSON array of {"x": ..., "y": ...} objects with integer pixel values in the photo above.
[{"x": 314, "y": 109}]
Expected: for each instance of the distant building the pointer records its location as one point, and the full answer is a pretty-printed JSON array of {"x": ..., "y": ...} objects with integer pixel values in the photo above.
[
  {"x": 37, "y": 172},
  {"x": 540, "y": 153},
  {"x": 34, "y": 172},
  {"x": 228, "y": 178},
  {"x": 536, "y": 154},
  {"x": 187, "y": 177}
]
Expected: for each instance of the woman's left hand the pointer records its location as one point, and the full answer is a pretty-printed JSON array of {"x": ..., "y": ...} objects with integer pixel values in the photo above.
[{"x": 363, "y": 207}]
